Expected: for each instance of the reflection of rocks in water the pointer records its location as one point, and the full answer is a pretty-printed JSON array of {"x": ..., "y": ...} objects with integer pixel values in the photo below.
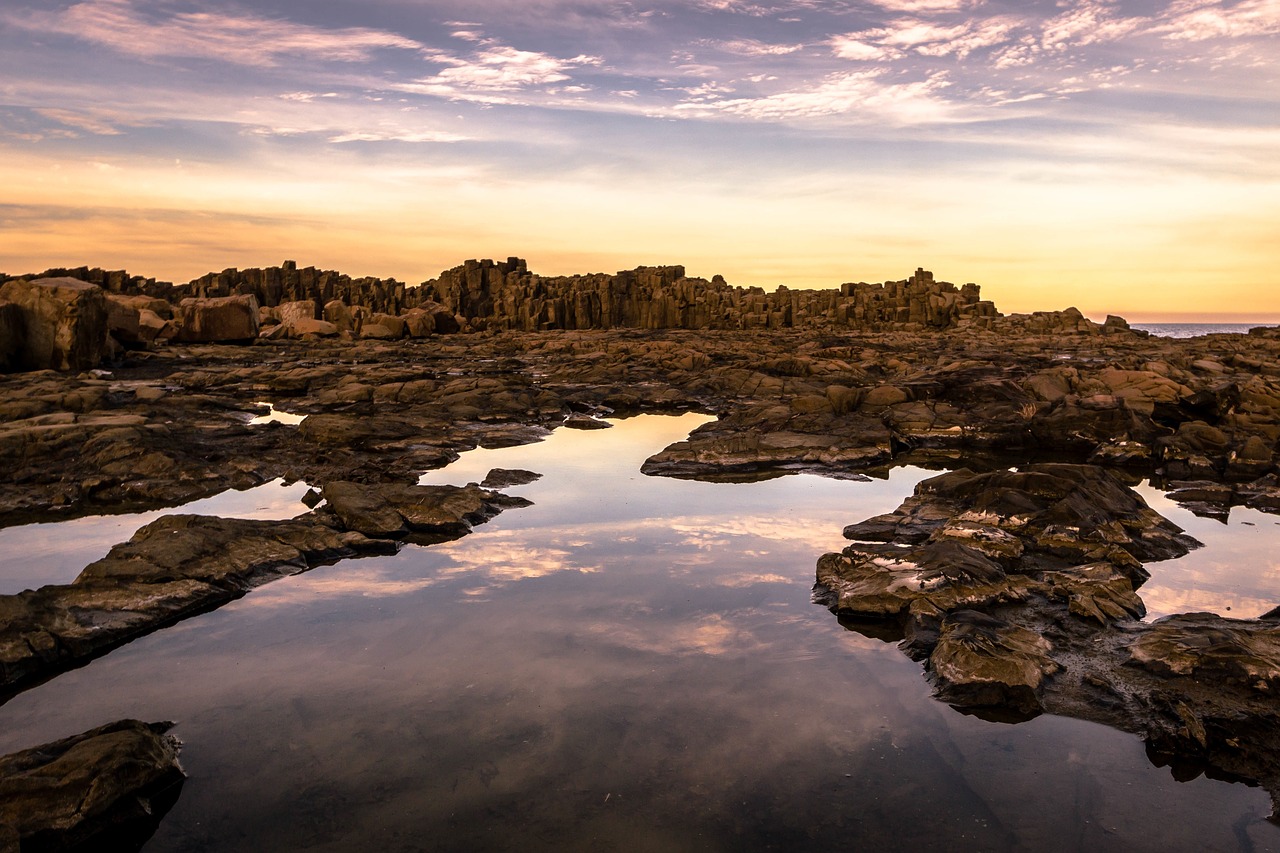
[
  {"x": 1017, "y": 591},
  {"x": 106, "y": 789},
  {"x": 181, "y": 565}
]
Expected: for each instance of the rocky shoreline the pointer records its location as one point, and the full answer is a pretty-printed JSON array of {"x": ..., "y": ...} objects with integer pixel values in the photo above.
[{"x": 1018, "y": 590}]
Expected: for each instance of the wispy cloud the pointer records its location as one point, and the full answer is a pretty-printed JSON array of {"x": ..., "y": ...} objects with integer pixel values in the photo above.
[
  {"x": 496, "y": 73},
  {"x": 858, "y": 95},
  {"x": 240, "y": 38},
  {"x": 1199, "y": 20},
  {"x": 95, "y": 124}
]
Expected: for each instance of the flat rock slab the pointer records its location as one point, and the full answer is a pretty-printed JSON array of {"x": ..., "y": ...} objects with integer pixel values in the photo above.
[{"x": 106, "y": 789}]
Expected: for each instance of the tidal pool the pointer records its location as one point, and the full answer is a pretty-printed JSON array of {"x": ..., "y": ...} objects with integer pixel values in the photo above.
[
  {"x": 633, "y": 663},
  {"x": 32, "y": 555}
]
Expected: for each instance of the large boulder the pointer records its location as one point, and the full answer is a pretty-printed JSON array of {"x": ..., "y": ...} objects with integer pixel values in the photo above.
[
  {"x": 227, "y": 319},
  {"x": 106, "y": 789},
  {"x": 13, "y": 334},
  {"x": 124, "y": 320},
  {"x": 292, "y": 312},
  {"x": 63, "y": 324}
]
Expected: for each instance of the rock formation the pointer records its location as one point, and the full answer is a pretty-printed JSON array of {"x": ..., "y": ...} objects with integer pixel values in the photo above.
[
  {"x": 106, "y": 789},
  {"x": 181, "y": 565},
  {"x": 53, "y": 324},
  {"x": 507, "y": 296},
  {"x": 1017, "y": 591},
  {"x": 228, "y": 319}
]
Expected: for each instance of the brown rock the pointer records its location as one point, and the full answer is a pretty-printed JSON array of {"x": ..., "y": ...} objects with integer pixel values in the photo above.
[
  {"x": 63, "y": 321},
  {"x": 99, "y": 790},
  {"x": 230, "y": 319}
]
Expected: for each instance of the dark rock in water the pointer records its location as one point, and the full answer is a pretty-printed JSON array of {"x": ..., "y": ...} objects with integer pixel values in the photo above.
[
  {"x": 1017, "y": 591},
  {"x": 181, "y": 565},
  {"x": 585, "y": 422},
  {"x": 421, "y": 514},
  {"x": 500, "y": 478},
  {"x": 106, "y": 789}
]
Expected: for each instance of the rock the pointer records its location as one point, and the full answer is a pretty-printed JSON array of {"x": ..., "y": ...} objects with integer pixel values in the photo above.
[
  {"x": 60, "y": 324},
  {"x": 124, "y": 321},
  {"x": 1033, "y": 609},
  {"x": 291, "y": 313},
  {"x": 13, "y": 337},
  {"x": 317, "y": 328},
  {"x": 585, "y": 422},
  {"x": 377, "y": 331},
  {"x": 984, "y": 662},
  {"x": 423, "y": 514},
  {"x": 180, "y": 565},
  {"x": 230, "y": 319},
  {"x": 505, "y": 295},
  {"x": 501, "y": 478},
  {"x": 339, "y": 314},
  {"x": 106, "y": 789}
]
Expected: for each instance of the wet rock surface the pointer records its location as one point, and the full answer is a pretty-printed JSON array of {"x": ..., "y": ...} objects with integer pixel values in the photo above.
[
  {"x": 1018, "y": 592},
  {"x": 181, "y": 565},
  {"x": 106, "y": 789}
]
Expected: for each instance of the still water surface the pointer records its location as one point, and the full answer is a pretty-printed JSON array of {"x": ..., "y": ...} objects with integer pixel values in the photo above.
[{"x": 633, "y": 663}]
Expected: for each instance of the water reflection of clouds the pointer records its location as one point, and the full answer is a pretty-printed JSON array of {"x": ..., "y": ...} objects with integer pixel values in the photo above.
[
  {"x": 708, "y": 634},
  {"x": 1236, "y": 574},
  {"x": 33, "y": 555}
]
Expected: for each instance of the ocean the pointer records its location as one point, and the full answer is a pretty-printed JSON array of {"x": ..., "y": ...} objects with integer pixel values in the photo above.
[{"x": 1191, "y": 330}]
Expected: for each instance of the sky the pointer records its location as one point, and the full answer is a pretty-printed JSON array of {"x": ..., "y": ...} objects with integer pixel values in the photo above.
[{"x": 1121, "y": 156}]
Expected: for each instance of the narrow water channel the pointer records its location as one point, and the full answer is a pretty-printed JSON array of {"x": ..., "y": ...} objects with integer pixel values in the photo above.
[{"x": 632, "y": 663}]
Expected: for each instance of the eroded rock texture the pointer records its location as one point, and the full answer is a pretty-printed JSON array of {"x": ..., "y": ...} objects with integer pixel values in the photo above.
[
  {"x": 1017, "y": 589},
  {"x": 106, "y": 789},
  {"x": 52, "y": 324}
]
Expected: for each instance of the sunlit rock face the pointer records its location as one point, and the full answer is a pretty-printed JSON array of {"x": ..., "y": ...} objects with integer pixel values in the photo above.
[
  {"x": 1017, "y": 589},
  {"x": 506, "y": 295},
  {"x": 52, "y": 324}
]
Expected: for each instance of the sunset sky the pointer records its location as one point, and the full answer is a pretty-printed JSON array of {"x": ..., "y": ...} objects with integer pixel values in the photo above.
[{"x": 1119, "y": 156}]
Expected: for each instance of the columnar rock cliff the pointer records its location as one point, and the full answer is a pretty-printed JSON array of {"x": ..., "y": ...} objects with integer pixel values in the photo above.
[
  {"x": 287, "y": 283},
  {"x": 507, "y": 296}
]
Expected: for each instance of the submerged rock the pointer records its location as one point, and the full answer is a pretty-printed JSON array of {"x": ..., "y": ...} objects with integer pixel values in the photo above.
[{"x": 106, "y": 789}]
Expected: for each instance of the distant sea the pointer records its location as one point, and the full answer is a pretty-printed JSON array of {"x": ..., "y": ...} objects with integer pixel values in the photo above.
[{"x": 1191, "y": 330}]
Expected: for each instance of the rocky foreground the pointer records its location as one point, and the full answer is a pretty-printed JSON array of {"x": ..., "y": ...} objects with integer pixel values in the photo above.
[{"x": 1018, "y": 590}]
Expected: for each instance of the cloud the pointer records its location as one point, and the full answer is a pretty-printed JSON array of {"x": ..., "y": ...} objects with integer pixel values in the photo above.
[
  {"x": 927, "y": 6},
  {"x": 398, "y": 136},
  {"x": 242, "y": 39},
  {"x": 497, "y": 73},
  {"x": 1088, "y": 23},
  {"x": 83, "y": 121},
  {"x": 924, "y": 38},
  {"x": 752, "y": 47},
  {"x": 861, "y": 95},
  {"x": 1200, "y": 20}
]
